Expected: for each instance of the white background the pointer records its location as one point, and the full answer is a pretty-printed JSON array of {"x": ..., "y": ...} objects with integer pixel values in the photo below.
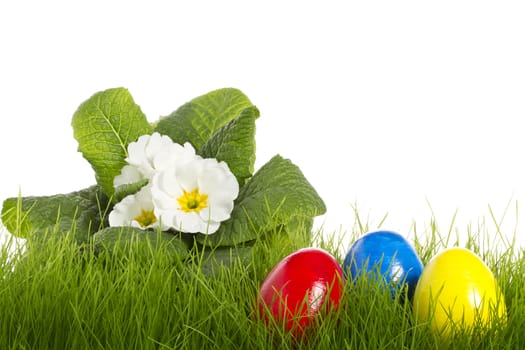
[{"x": 384, "y": 105}]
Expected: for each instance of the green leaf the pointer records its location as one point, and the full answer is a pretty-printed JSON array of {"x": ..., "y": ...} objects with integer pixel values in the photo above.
[
  {"x": 196, "y": 121},
  {"x": 78, "y": 212},
  {"x": 274, "y": 196},
  {"x": 213, "y": 259},
  {"x": 234, "y": 143},
  {"x": 127, "y": 189},
  {"x": 104, "y": 125},
  {"x": 120, "y": 240}
]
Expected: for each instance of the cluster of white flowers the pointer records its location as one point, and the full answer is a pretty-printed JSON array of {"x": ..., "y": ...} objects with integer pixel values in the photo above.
[{"x": 185, "y": 192}]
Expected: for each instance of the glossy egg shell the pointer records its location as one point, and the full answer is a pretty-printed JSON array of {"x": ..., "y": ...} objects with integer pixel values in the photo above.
[
  {"x": 457, "y": 283},
  {"x": 387, "y": 252},
  {"x": 299, "y": 286}
]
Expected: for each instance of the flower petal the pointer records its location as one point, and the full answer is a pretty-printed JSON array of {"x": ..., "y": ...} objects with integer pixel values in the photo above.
[
  {"x": 173, "y": 155},
  {"x": 136, "y": 151},
  {"x": 194, "y": 196},
  {"x": 187, "y": 175},
  {"x": 128, "y": 175},
  {"x": 132, "y": 208},
  {"x": 156, "y": 143},
  {"x": 221, "y": 211},
  {"x": 188, "y": 222}
]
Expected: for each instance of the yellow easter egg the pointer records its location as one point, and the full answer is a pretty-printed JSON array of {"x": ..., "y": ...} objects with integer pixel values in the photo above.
[{"x": 457, "y": 290}]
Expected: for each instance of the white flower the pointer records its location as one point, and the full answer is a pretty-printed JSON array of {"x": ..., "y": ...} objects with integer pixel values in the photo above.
[
  {"x": 196, "y": 196},
  {"x": 128, "y": 175},
  {"x": 184, "y": 192},
  {"x": 143, "y": 152},
  {"x": 149, "y": 154},
  {"x": 135, "y": 210}
]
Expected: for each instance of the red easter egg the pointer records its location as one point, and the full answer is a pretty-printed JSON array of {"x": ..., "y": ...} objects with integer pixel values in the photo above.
[{"x": 298, "y": 287}]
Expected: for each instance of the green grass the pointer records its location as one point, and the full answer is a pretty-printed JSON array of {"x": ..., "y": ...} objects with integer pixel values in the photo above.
[{"x": 56, "y": 296}]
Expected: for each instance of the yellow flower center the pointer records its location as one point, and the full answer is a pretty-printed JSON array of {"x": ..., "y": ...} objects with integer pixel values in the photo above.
[
  {"x": 192, "y": 201},
  {"x": 146, "y": 218}
]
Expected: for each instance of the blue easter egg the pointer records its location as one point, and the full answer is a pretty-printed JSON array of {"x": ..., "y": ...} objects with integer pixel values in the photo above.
[{"x": 387, "y": 253}]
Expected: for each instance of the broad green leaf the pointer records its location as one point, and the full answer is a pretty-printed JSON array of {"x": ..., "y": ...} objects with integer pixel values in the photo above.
[
  {"x": 104, "y": 125},
  {"x": 299, "y": 228},
  {"x": 79, "y": 212},
  {"x": 120, "y": 240},
  {"x": 196, "y": 121},
  {"x": 213, "y": 259},
  {"x": 234, "y": 143},
  {"x": 275, "y": 195},
  {"x": 299, "y": 224}
]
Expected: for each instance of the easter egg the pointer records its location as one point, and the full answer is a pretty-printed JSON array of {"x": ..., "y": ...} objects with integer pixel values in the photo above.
[
  {"x": 299, "y": 287},
  {"x": 457, "y": 289},
  {"x": 389, "y": 255}
]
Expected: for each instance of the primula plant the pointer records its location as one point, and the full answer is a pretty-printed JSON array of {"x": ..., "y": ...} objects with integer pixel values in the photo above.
[{"x": 187, "y": 179}]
